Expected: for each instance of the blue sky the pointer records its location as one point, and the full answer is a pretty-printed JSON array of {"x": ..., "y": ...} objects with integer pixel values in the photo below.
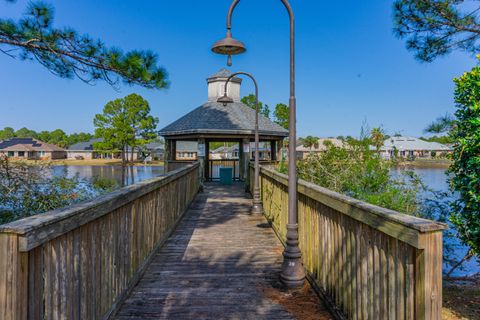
[{"x": 350, "y": 66}]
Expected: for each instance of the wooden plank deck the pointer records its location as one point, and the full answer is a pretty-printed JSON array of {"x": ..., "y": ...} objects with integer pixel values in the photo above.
[{"x": 220, "y": 263}]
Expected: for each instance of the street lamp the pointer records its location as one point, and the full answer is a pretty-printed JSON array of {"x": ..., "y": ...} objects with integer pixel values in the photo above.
[
  {"x": 292, "y": 274},
  {"x": 257, "y": 207}
]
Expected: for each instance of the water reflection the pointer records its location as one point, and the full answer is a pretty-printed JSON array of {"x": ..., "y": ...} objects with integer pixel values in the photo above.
[{"x": 122, "y": 176}]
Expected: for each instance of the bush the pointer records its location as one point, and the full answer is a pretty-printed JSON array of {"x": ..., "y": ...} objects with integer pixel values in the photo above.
[
  {"x": 359, "y": 172},
  {"x": 466, "y": 159},
  {"x": 26, "y": 190}
]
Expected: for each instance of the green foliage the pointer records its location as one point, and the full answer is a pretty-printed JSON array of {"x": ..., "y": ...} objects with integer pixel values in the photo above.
[
  {"x": 377, "y": 136},
  {"x": 281, "y": 114},
  {"x": 447, "y": 139},
  {"x": 125, "y": 123},
  {"x": 67, "y": 54},
  {"x": 250, "y": 101},
  {"x": 7, "y": 133},
  {"x": 104, "y": 184},
  {"x": 443, "y": 124},
  {"x": 359, "y": 172},
  {"x": 310, "y": 142},
  {"x": 26, "y": 190},
  {"x": 25, "y": 133},
  {"x": 466, "y": 157},
  {"x": 434, "y": 28}
]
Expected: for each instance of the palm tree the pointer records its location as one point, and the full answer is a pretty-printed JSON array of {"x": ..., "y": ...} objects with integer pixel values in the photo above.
[
  {"x": 310, "y": 142},
  {"x": 377, "y": 136}
]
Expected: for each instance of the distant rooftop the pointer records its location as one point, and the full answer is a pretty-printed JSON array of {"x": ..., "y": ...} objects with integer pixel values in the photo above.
[
  {"x": 412, "y": 143},
  {"x": 27, "y": 144}
]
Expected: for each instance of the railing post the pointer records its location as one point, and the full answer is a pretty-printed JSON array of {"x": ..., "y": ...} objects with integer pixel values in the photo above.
[
  {"x": 428, "y": 277},
  {"x": 13, "y": 279}
]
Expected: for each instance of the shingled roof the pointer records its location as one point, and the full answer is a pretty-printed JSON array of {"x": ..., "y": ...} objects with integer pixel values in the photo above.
[
  {"x": 27, "y": 144},
  {"x": 213, "y": 117}
]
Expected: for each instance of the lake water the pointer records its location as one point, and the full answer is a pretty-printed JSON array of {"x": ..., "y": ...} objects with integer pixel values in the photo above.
[
  {"x": 437, "y": 180},
  {"x": 123, "y": 177}
]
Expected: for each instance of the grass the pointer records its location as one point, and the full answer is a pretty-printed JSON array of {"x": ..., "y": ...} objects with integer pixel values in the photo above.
[
  {"x": 461, "y": 298},
  {"x": 427, "y": 163}
]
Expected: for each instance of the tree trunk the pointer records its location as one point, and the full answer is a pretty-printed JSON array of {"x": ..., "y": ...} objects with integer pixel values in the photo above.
[{"x": 124, "y": 160}]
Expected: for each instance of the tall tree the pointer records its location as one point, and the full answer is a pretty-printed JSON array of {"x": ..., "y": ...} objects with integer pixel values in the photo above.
[
  {"x": 466, "y": 159},
  {"x": 7, "y": 133},
  {"x": 25, "y": 133},
  {"x": 443, "y": 124},
  {"x": 377, "y": 136},
  {"x": 434, "y": 28},
  {"x": 281, "y": 114},
  {"x": 250, "y": 101},
  {"x": 125, "y": 123},
  {"x": 58, "y": 137},
  {"x": 67, "y": 54},
  {"x": 310, "y": 142}
]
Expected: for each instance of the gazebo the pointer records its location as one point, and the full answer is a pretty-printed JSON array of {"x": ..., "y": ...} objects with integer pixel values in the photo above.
[{"x": 214, "y": 122}]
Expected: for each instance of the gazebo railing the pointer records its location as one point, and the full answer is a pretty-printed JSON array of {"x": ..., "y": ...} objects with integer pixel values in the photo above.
[{"x": 215, "y": 165}]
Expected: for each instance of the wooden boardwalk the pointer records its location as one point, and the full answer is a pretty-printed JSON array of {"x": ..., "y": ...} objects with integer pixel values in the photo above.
[{"x": 220, "y": 263}]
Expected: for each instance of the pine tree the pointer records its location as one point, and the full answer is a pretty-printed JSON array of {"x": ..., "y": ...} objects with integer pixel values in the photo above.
[{"x": 67, "y": 54}]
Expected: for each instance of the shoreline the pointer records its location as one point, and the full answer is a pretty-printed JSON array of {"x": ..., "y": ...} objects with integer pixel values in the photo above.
[
  {"x": 426, "y": 163},
  {"x": 96, "y": 162}
]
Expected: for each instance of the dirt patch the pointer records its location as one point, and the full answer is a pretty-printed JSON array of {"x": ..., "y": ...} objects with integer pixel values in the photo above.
[
  {"x": 303, "y": 303},
  {"x": 461, "y": 298}
]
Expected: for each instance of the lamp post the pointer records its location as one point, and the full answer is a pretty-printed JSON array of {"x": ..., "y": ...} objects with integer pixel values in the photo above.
[
  {"x": 257, "y": 207},
  {"x": 292, "y": 274}
]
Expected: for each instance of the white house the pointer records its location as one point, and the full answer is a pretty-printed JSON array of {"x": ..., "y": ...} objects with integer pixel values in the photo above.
[{"x": 411, "y": 147}]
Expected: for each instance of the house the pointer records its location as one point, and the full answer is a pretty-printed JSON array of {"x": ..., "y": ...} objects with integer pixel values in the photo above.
[
  {"x": 86, "y": 150},
  {"x": 410, "y": 147},
  {"x": 155, "y": 150},
  {"x": 31, "y": 149},
  {"x": 186, "y": 151},
  {"x": 303, "y": 152},
  {"x": 232, "y": 152}
]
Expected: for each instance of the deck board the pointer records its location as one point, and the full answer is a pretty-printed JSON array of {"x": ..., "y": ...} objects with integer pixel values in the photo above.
[{"x": 219, "y": 264}]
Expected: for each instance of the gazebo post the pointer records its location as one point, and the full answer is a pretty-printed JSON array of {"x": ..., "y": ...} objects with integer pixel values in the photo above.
[
  {"x": 245, "y": 143},
  {"x": 273, "y": 150},
  {"x": 202, "y": 157}
]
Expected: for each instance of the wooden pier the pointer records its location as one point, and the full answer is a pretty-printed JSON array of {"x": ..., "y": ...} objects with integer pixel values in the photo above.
[
  {"x": 220, "y": 263},
  {"x": 159, "y": 249}
]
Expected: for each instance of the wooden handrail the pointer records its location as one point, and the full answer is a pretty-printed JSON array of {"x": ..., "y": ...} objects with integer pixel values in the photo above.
[
  {"x": 41, "y": 228},
  {"x": 366, "y": 261},
  {"x": 82, "y": 261},
  {"x": 398, "y": 225}
]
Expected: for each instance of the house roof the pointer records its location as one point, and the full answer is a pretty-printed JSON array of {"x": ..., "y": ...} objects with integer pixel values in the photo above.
[
  {"x": 88, "y": 145},
  {"x": 215, "y": 118},
  {"x": 84, "y": 146},
  {"x": 412, "y": 143},
  {"x": 322, "y": 145},
  {"x": 28, "y": 144}
]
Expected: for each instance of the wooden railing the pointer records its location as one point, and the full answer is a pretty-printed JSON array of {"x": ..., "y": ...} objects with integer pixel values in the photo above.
[
  {"x": 80, "y": 262},
  {"x": 366, "y": 261},
  {"x": 215, "y": 165}
]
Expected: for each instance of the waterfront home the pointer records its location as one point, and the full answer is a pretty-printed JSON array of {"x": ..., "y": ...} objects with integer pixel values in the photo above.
[
  {"x": 31, "y": 149},
  {"x": 87, "y": 151},
  {"x": 186, "y": 151},
  {"x": 303, "y": 152},
  {"x": 155, "y": 150},
  {"x": 232, "y": 152},
  {"x": 411, "y": 147}
]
